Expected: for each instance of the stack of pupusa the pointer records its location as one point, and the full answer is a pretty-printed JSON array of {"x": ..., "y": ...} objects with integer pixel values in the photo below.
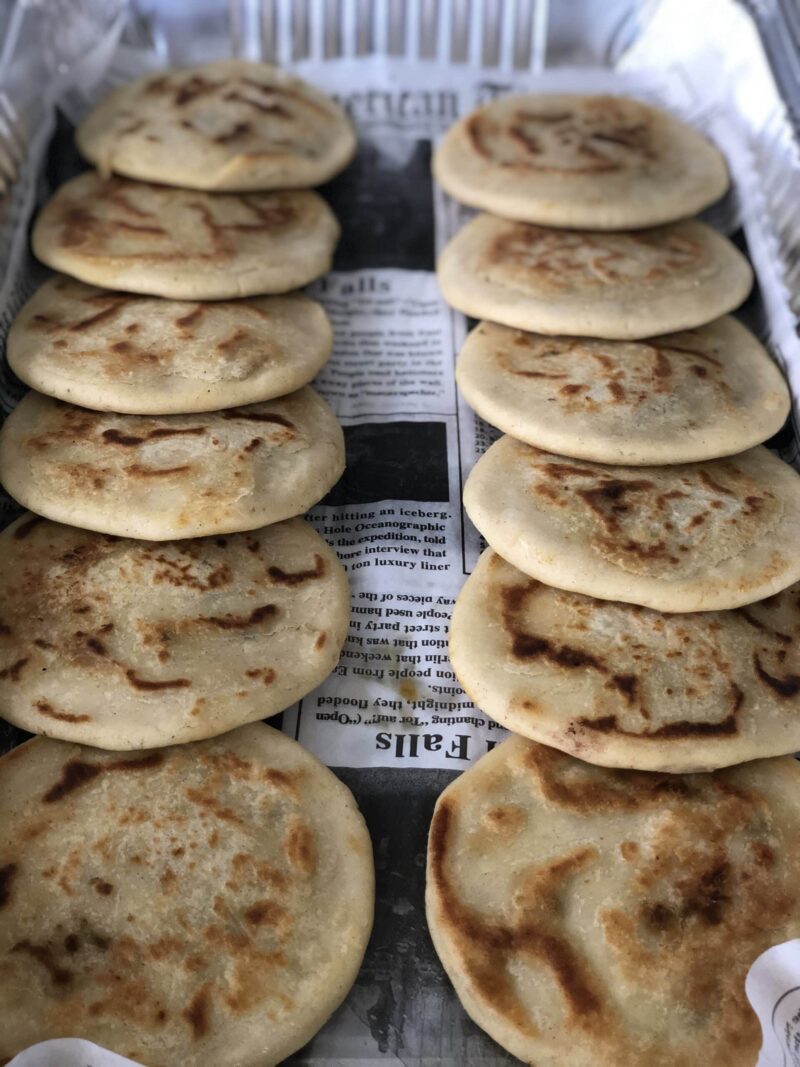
[
  {"x": 165, "y": 337},
  {"x": 218, "y": 908},
  {"x": 195, "y": 417},
  {"x": 639, "y": 616}
]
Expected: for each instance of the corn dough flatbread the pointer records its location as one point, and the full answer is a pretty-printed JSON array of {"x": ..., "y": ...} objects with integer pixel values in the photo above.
[
  {"x": 232, "y": 125},
  {"x": 606, "y": 918},
  {"x": 184, "y": 244},
  {"x": 620, "y": 286},
  {"x": 133, "y": 644},
  {"x": 600, "y": 162},
  {"x": 623, "y": 686},
  {"x": 701, "y": 394},
  {"x": 202, "y": 904},
  {"x": 168, "y": 476},
  {"x": 137, "y": 354},
  {"x": 690, "y": 537}
]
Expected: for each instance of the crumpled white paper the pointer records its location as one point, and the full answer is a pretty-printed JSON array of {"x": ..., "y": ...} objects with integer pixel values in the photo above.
[
  {"x": 69, "y": 1052},
  {"x": 773, "y": 988}
]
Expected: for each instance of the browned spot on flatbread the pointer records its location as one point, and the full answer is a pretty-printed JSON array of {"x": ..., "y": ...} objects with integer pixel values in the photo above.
[
  {"x": 265, "y": 913},
  {"x": 45, "y": 955},
  {"x": 517, "y": 132},
  {"x": 564, "y": 470},
  {"x": 505, "y": 819},
  {"x": 706, "y": 899},
  {"x": 530, "y": 646},
  {"x": 274, "y": 214},
  {"x": 680, "y": 729},
  {"x": 748, "y": 616},
  {"x": 106, "y": 313},
  {"x": 191, "y": 318},
  {"x": 179, "y": 572},
  {"x": 77, "y": 773},
  {"x": 256, "y": 416},
  {"x": 116, "y": 190},
  {"x": 235, "y": 133},
  {"x": 208, "y": 800},
  {"x": 266, "y": 674},
  {"x": 148, "y": 685},
  {"x": 565, "y": 782},
  {"x": 101, "y": 886},
  {"x": 555, "y": 258},
  {"x": 787, "y": 687},
  {"x": 78, "y": 225},
  {"x": 136, "y": 470},
  {"x": 628, "y": 685},
  {"x": 46, "y": 709},
  {"x": 299, "y": 848},
  {"x": 157, "y": 85},
  {"x": 713, "y": 485},
  {"x": 287, "y": 93},
  {"x": 197, "y": 1013},
  {"x": 195, "y": 87},
  {"x": 697, "y": 353},
  {"x": 282, "y": 577},
  {"x": 123, "y": 348},
  {"x": 279, "y": 779},
  {"x": 13, "y": 670},
  {"x": 7, "y": 875},
  {"x": 485, "y": 945},
  {"x": 241, "y": 622},
  {"x": 233, "y": 339},
  {"x": 132, "y": 227},
  {"x": 608, "y": 499},
  {"x": 132, "y": 127},
  {"x": 118, "y": 437},
  {"x": 527, "y": 646}
]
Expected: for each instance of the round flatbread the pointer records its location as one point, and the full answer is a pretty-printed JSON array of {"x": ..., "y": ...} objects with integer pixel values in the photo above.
[
  {"x": 133, "y": 644},
  {"x": 183, "y": 244},
  {"x": 701, "y": 394},
  {"x": 207, "y": 903},
  {"x": 601, "y": 918},
  {"x": 602, "y": 162},
  {"x": 232, "y": 125},
  {"x": 138, "y": 354},
  {"x": 161, "y": 477},
  {"x": 691, "y": 537},
  {"x": 624, "y": 686},
  {"x": 621, "y": 286}
]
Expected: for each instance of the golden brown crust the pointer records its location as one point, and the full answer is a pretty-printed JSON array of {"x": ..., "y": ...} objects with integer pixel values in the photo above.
[
  {"x": 565, "y": 160},
  {"x": 120, "y": 643},
  {"x": 607, "y": 400},
  {"x": 119, "y": 352},
  {"x": 230, "y": 125},
  {"x": 184, "y": 244},
  {"x": 176, "y": 927},
  {"x": 621, "y": 685},
  {"x": 602, "y": 135},
  {"x": 585, "y": 282},
  {"x": 526, "y": 255},
  {"x": 621, "y": 913},
  {"x": 161, "y": 477},
  {"x": 685, "y": 537}
]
